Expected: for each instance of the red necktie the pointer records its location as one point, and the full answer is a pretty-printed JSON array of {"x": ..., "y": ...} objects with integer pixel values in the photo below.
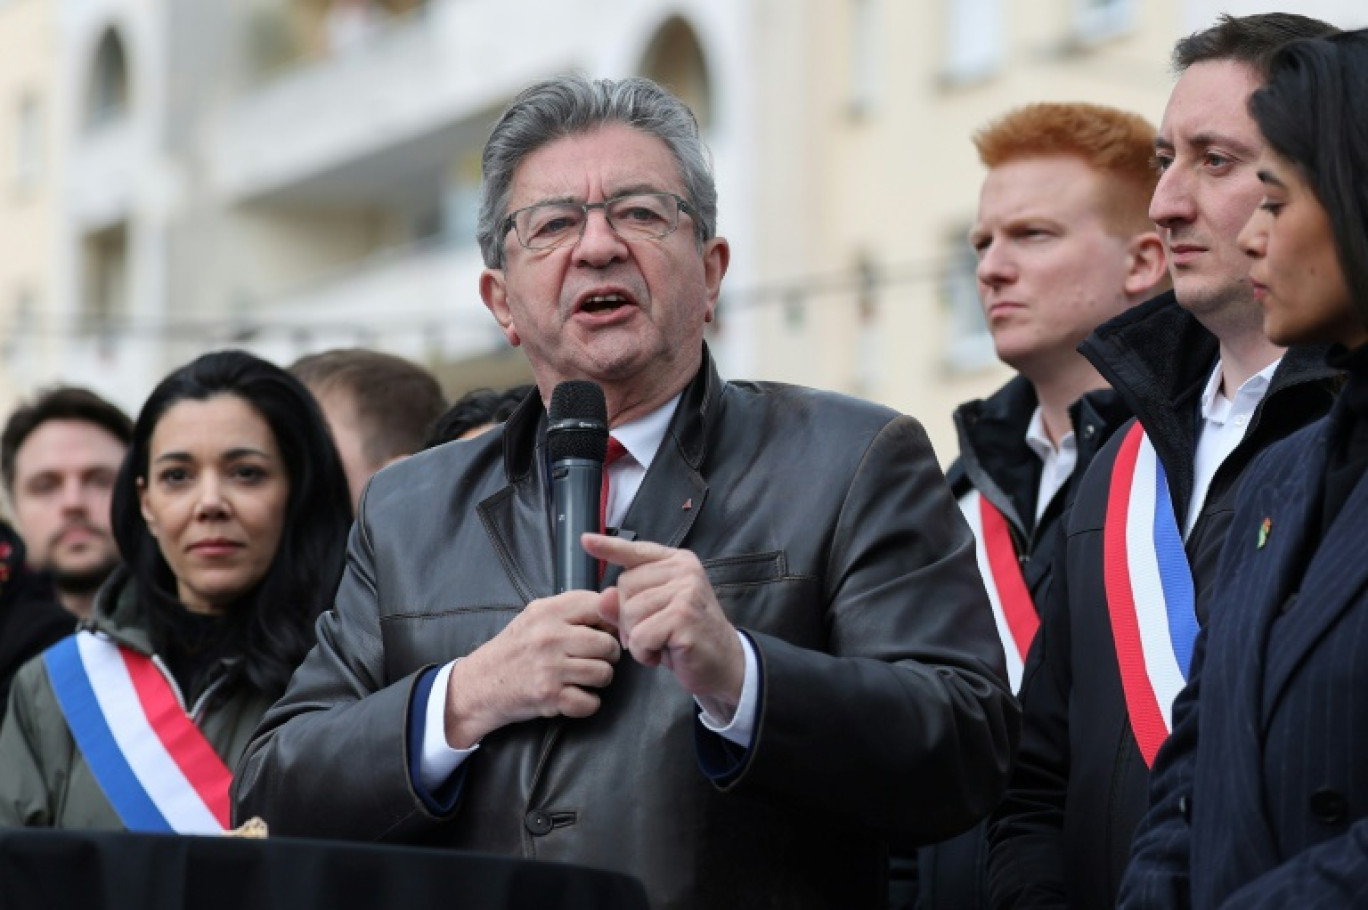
[{"x": 615, "y": 451}]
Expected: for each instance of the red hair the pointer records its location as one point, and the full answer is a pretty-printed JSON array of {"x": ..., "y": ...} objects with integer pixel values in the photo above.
[{"x": 1117, "y": 144}]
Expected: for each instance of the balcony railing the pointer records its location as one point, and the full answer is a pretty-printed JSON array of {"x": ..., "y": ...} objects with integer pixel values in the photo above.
[
  {"x": 421, "y": 301},
  {"x": 104, "y": 170},
  {"x": 407, "y": 79}
]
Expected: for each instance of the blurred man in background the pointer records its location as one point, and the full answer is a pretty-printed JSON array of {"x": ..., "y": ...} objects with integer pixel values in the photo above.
[
  {"x": 378, "y": 406},
  {"x": 59, "y": 455},
  {"x": 475, "y": 412}
]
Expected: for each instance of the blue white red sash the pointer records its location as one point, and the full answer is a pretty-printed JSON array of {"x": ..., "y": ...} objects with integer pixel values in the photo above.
[
  {"x": 1013, "y": 610},
  {"x": 1150, "y": 596},
  {"x": 152, "y": 762}
]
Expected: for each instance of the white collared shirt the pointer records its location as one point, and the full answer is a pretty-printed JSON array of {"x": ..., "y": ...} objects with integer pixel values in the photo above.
[
  {"x": 1224, "y": 422},
  {"x": 1057, "y": 463},
  {"x": 641, "y": 438}
]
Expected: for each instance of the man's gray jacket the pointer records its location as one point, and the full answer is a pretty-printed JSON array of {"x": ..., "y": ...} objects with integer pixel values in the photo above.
[{"x": 832, "y": 541}]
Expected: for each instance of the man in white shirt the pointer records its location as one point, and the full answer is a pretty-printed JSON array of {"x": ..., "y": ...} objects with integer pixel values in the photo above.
[
  {"x": 1064, "y": 243},
  {"x": 1141, "y": 541},
  {"x": 792, "y": 658}
]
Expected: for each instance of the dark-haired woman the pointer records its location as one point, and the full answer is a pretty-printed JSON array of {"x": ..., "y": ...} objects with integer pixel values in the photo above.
[
  {"x": 1260, "y": 797},
  {"x": 231, "y": 513}
]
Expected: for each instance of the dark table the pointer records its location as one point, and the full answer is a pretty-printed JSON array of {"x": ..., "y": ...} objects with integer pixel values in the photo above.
[{"x": 54, "y": 870}]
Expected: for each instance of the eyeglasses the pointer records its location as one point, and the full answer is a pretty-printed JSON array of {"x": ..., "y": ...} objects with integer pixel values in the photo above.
[{"x": 640, "y": 216}]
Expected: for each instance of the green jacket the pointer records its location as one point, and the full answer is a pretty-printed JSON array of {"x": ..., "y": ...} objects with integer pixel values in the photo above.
[{"x": 44, "y": 779}]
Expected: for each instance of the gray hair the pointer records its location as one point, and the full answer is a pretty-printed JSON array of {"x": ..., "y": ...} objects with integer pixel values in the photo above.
[{"x": 571, "y": 105}]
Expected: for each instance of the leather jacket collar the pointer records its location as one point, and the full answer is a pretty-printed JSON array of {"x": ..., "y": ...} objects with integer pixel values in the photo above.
[
  {"x": 525, "y": 432},
  {"x": 658, "y": 513}
]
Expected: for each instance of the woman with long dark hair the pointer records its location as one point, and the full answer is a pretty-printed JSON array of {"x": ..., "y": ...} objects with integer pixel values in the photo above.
[
  {"x": 1260, "y": 797},
  {"x": 231, "y": 513}
]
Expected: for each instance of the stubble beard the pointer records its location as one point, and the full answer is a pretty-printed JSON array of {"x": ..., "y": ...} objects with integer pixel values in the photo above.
[{"x": 81, "y": 582}]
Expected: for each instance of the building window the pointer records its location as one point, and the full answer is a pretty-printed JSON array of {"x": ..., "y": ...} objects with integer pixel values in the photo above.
[
  {"x": 106, "y": 280},
  {"x": 28, "y": 142},
  {"x": 109, "y": 90},
  {"x": 674, "y": 58},
  {"x": 1096, "y": 20},
  {"x": 969, "y": 346},
  {"x": 865, "y": 62},
  {"x": 976, "y": 40}
]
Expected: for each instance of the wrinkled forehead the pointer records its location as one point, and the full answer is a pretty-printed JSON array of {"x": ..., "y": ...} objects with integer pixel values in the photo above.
[{"x": 610, "y": 160}]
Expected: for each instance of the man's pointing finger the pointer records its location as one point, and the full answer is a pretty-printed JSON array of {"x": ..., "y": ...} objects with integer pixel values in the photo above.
[{"x": 622, "y": 552}]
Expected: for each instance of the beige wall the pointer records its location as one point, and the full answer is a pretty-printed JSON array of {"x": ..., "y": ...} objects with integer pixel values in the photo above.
[
  {"x": 895, "y": 183},
  {"x": 27, "y": 76},
  {"x": 227, "y": 183}
]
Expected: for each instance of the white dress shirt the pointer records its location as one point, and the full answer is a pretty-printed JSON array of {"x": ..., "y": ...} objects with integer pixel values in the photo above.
[
  {"x": 641, "y": 438},
  {"x": 1057, "y": 463},
  {"x": 1224, "y": 422}
]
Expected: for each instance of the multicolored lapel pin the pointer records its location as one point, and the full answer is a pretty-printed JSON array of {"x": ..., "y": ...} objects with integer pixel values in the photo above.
[
  {"x": 688, "y": 504},
  {"x": 1264, "y": 530}
]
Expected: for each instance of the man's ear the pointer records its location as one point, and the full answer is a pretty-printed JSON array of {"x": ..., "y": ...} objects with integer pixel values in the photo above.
[
  {"x": 716, "y": 258},
  {"x": 494, "y": 293},
  {"x": 1146, "y": 266}
]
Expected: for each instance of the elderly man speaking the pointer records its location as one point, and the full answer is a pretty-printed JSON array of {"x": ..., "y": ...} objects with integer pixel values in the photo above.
[{"x": 792, "y": 658}]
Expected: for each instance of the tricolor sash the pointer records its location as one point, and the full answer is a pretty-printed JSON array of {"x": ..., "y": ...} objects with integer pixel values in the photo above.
[
  {"x": 1150, "y": 595},
  {"x": 152, "y": 762},
  {"x": 1013, "y": 610}
]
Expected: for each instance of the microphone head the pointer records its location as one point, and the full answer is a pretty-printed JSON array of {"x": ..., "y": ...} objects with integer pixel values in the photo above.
[{"x": 577, "y": 421}]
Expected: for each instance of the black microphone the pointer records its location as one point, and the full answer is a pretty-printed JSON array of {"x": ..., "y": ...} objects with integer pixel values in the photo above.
[{"x": 577, "y": 438}]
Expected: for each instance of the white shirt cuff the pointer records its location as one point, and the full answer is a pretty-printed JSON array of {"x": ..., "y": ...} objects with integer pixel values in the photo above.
[
  {"x": 741, "y": 730},
  {"x": 439, "y": 761}
]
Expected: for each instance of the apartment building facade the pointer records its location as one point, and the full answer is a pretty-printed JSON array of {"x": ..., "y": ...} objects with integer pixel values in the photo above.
[{"x": 292, "y": 175}]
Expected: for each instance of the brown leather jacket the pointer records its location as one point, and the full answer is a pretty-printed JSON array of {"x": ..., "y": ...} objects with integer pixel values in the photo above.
[{"x": 831, "y": 539}]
